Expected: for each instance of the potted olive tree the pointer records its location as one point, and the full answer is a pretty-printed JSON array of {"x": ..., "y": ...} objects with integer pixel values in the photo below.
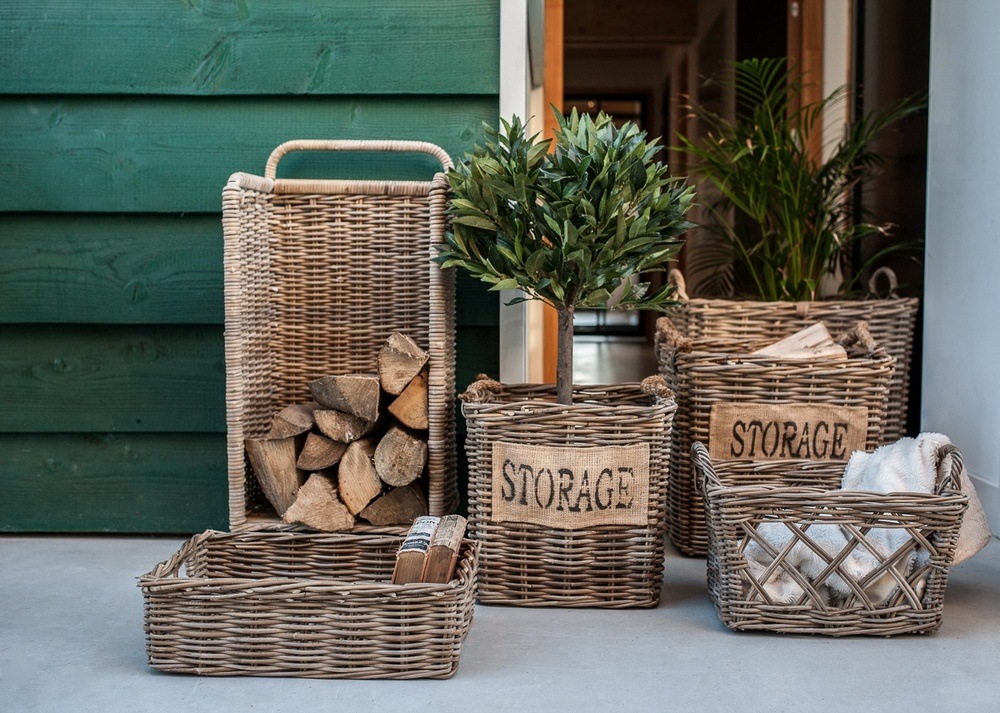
[
  {"x": 573, "y": 482},
  {"x": 571, "y": 227},
  {"x": 784, "y": 225}
]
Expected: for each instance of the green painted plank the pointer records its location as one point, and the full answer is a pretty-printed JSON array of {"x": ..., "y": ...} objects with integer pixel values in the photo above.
[
  {"x": 250, "y": 47},
  {"x": 163, "y": 154},
  {"x": 106, "y": 268},
  {"x": 101, "y": 378},
  {"x": 113, "y": 483}
]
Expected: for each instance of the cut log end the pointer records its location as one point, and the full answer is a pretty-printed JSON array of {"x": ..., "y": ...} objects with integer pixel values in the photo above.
[
  {"x": 397, "y": 507},
  {"x": 359, "y": 483},
  {"x": 273, "y": 462},
  {"x": 356, "y": 394},
  {"x": 399, "y": 361},
  {"x": 319, "y": 506},
  {"x": 400, "y": 457},
  {"x": 410, "y": 407}
]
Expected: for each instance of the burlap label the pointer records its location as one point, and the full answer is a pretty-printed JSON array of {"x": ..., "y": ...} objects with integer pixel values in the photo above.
[
  {"x": 571, "y": 488},
  {"x": 761, "y": 431}
]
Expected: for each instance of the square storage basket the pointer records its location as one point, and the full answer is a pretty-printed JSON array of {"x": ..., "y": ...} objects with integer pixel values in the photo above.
[
  {"x": 284, "y": 603},
  {"x": 891, "y": 321},
  {"x": 780, "y": 507},
  {"x": 709, "y": 372},
  {"x": 318, "y": 273},
  {"x": 541, "y": 564}
]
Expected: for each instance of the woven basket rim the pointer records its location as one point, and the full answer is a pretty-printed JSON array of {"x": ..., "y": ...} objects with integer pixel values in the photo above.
[{"x": 166, "y": 576}]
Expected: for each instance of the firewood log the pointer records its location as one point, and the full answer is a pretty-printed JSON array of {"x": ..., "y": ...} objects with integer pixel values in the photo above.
[
  {"x": 410, "y": 407},
  {"x": 399, "y": 360},
  {"x": 400, "y": 457},
  {"x": 398, "y": 506},
  {"x": 273, "y": 462},
  {"x": 318, "y": 506},
  {"x": 356, "y": 476},
  {"x": 356, "y": 394}
]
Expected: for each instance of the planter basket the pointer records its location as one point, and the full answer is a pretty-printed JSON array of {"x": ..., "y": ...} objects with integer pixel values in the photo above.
[
  {"x": 549, "y": 557},
  {"x": 296, "y": 604},
  {"x": 318, "y": 273},
  {"x": 797, "y": 499},
  {"x": 714, "y": 374},
  {"x": 891, "y": 323}
]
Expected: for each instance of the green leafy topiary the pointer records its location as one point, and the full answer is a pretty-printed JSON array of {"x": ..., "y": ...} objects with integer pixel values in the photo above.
[{"x": 571, "y": 227}]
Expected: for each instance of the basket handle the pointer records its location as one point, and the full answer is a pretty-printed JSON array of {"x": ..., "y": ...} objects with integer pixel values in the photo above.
[
  {"x": 172, "y": 566},
  {"x": 890, "y": 275},
  {"x": 949, "y": 478},
  {"x": 667, "y": 335},
  {"x": 481, "y": 390},
  {"x": 271, "y": 169},
  {"x": 676, "y": 278},
  {"x": 705, "y": 474}
]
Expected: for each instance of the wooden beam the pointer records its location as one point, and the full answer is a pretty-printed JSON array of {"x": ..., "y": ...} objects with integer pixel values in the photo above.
[
  {"x": 554, "y": 87},
  {"x": 805, "y": 50},
  {"x": 630, "y": 23}
]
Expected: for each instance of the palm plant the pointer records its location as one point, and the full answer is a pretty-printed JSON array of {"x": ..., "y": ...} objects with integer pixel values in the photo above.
[
  {"x": 795, "y": 222},
  {"x": 571, "y": 227}
]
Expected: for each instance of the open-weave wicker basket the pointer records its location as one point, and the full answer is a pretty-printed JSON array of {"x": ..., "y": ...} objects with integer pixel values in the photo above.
[
  {"x": 528, "y": 564},
  {"x": 318, "y": 273},
  {"x": 890, "y": 320},
  {"x": 283, "y": 603},
  {"x": 709, "y": 371},
  {"x": 794, "y": 496}
]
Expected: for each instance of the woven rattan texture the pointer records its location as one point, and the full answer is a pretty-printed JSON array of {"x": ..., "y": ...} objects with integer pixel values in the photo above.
[
  {"x": 314, "y": 284},
  {"x": 890, "y": 321},
  {"x": 741, "y": 495},
  {"x": 301, "y": 604},
  {"x": 717, "y": 371},
  {"x": 534, "y": 565}
]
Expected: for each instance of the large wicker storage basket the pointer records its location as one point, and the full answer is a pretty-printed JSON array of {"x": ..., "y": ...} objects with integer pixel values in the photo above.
[
  {"x": 537, "y": 564},
  {"x": 757, "y": 505},
  {"x": 318, "y": 273},
  {"x": 298, "y": 604},
  {"x": 890, "y": 320},
  {"x": 707, "y": 372}
]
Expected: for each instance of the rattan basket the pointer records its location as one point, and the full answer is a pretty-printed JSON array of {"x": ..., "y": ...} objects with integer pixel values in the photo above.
[
  {"x": 794, "y": 501},
  {"x": 537, "y": 564},
  {"x": 284, "y": 603},
  {"x": 318, "y": 273},
  {"x": 707, "y": 372},
  {"x": 891, "y": 321}
]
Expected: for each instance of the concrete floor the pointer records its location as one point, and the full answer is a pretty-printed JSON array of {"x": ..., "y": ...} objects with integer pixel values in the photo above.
[{"x": 71, "y": 639}]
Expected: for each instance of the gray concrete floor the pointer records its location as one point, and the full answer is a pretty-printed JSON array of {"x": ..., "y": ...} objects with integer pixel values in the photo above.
[{"x": 71, "y": 640}]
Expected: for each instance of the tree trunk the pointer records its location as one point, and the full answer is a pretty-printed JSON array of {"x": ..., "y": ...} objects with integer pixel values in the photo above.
[{"x": 564, "y": 357}]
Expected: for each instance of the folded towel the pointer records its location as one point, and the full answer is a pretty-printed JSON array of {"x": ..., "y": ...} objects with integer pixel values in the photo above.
[{"x": 910, "y": 465}]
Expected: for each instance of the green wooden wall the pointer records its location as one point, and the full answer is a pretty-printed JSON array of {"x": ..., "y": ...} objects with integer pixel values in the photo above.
[{"x": 120, "y": 122}]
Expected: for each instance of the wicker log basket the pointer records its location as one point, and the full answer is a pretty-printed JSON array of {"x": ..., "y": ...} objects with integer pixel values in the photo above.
[
  {"x": 548, "y": 557},
  {"x": 895, "y": 593},
  {"x": 308, "y": 605},
  {"x": 318, "y": 273},
  {"x": 891, "y": 321},
  {"x": 711, "y": 373}
]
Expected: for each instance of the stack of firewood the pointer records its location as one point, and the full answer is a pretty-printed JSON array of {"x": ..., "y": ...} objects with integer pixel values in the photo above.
[{"x": 357, "y": 451}]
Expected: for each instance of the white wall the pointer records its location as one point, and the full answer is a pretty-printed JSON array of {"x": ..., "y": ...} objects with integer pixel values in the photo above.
[{"x": 961, "y": 371}]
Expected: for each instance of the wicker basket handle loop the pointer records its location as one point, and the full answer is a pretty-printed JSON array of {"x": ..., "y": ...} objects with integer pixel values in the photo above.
[
  {"x": 676, "y": 278},
  {"x": 950, "y": 465},
  {"x": 271, "y": 169},
  {"x": 704, "y": 472},
  {"x": 481, "y": 390},
  {"x": 667, "y": 335},
  {"x": 172, "y": 566},
  {"x": 890, "y": 276},
  {"x": 860, "y": 337}
]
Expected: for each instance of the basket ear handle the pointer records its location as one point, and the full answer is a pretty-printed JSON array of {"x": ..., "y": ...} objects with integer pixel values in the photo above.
[
  {"x": 481, "y": 390},
  {"x": 271, "y": 169},
  {"x": 950, "y": 466},
  {"x": 676, "y": 278},
  {"x": 667, "y": 335},
  {"x": 705, "y": 475},
  {"x": 890, "y": 275}
]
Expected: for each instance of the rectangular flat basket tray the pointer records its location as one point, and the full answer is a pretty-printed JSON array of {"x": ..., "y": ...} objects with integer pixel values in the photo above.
[{"x": 287, "y": 603}]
